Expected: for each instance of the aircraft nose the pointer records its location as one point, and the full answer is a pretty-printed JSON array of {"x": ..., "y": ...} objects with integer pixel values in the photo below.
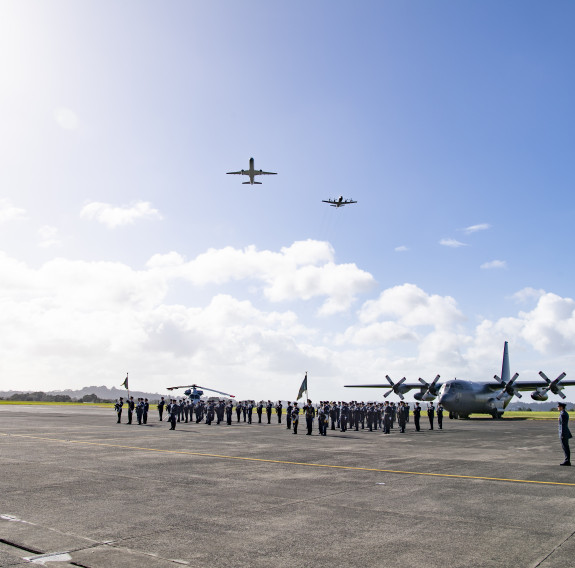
[{"x": 445, "y": 398}]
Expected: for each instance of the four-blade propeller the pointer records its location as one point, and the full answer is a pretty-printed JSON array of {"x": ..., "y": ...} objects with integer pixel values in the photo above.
[
  {"x": 553, "y": 386},
  {"x": 508, "y": 387},
  {"x": 432, "y": 390},
  {"x": 395, "y": 387}
]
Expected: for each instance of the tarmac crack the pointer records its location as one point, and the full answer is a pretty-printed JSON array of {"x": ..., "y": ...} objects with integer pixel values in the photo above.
[{"x": 557, "y": 547}]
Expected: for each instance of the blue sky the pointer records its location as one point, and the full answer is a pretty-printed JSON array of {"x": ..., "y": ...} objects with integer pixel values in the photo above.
[{"x": 450, "y": 123}]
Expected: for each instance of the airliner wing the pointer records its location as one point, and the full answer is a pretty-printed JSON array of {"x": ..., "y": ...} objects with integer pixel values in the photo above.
[
  {"x": 236, "y": 173},
  {"x": 260, "y": 173}
]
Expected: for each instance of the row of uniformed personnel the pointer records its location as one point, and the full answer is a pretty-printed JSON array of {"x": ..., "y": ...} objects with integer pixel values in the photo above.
[{"x": 343, "y": 415}]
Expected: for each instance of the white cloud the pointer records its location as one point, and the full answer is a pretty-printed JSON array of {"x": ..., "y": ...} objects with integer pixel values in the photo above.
[
  {"x": 527, "y": 294},
  {"x": 412, "y": 307},
  {"x": 475, "y": 228},
  {"x": 72, "y": 323},
  {"x": 49, "y": 236},
  {"x": 494, "y": 264},
  {"x": 9, "y": 212},
  {"x": 66, "y": 119},
  {"x": 453, "y": 243},
  {"x": 303, "y": 271},
  {"x": 401, "y": 248},
  {"x": 113, "y": 216}
]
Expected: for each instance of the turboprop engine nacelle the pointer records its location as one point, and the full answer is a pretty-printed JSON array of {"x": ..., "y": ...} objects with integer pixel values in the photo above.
[{"x": 539, "y": 395}]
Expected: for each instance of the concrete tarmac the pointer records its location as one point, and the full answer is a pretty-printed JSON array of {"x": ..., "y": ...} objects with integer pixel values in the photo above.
[{"x": 77, "y": 489}]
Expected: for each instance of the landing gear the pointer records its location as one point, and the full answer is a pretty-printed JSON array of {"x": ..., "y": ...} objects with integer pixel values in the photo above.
[{"x": 496, "y": 414}]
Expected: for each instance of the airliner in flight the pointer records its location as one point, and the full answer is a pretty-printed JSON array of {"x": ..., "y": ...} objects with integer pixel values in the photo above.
[
  {"x": 252, "y": 173},
  {"x": 462, "y": 398},
  {"x": 339, "y": 202}
]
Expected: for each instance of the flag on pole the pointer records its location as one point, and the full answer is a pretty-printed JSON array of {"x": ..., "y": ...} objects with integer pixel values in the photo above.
[
  {"x": 303, "y": 387},
  {"x": 125, "y": 383}
]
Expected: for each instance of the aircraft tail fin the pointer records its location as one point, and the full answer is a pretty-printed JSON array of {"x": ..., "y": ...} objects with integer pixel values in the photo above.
[{"x": 505, "y": 373}]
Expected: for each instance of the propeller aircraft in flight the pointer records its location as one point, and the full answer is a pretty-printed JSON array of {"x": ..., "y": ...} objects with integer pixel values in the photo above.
[
  {"x": 339, "y": 202},
  {"x": 194, "y": 393},
  {"x": 251, "y": 172},
  {"x": 462, "y": 398}
]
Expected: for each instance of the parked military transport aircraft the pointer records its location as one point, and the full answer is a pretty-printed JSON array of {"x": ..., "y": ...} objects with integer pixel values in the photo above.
[
  {"x": 339, "y": 202},
  {"x": 462, "y": 398},
  {"x": 252, "y": 173},
  {"x": 195, "y": 394}
]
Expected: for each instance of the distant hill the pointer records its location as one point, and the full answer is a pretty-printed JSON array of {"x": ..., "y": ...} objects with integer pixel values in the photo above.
[{"x": 101, "y": 392}]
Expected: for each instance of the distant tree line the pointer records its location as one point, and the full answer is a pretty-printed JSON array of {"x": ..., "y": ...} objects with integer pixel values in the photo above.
[{"x": 40, "y": 396}]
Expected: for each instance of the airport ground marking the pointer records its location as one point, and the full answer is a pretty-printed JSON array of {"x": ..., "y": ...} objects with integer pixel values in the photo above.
[{"x": 285, "y": 462}]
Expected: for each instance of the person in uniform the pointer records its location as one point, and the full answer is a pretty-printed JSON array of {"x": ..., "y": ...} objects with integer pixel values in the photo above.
[
  {"x": 173, "y": 409},
  {"x": 440, "y": 416},
  {"x": 245, "y": 410},
  {"x": 269, "y": 407},
  {"x": 417, "y": 416},
  {"x": 118, "y": 408},
  {"x": 209, "y": 413},
  {"x": 259, "y": 410},
  {"x": 401, "y": 417},
  {"x": 161, "y": 405},
  {"x": 333, "y": 414},
  {"x": 229, "y": 412},
  {"x": 295, "y": 417},
  {"x": 139, "y": 409},
  {"x": 431, "y": 414},
  {"x": 288, "y": 414},
  {"x": 250, "y": 408},
  {"x": 131, "y": 407},
  {"x": 145, "y": 413},
  {"x": 393, "y": 414},
  {"x": 564, "y": 433},
  {"x": 323, "y": 418},
  {"x": 279, "y": 408},
  {"x": 343, "y": 414},
  {"x": 238, "y": 410},
  {"x": 309, "y": 412},
  {"x": 387, "y": 412}
]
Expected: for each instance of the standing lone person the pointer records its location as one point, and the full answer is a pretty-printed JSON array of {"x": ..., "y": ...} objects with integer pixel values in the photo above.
[
  {"x": 118, "y": 407},
  {"x": 564, "y": 432},
  {"x": 440, "y": 416},
  {"x": 161, "y": 405},
  {"x": 431, "y": 414}
]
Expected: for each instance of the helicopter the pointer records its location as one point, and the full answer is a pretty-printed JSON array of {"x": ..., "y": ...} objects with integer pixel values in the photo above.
[{"x": 193, "y": 392}]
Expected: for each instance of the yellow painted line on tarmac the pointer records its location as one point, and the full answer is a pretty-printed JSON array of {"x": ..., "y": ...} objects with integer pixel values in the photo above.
[{"x": 263, "y": 460}]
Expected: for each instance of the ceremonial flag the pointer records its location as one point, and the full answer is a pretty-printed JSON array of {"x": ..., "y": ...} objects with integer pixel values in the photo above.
[
  {"x": 303, "y": 387},
  {"x": 125, "y": 383}
]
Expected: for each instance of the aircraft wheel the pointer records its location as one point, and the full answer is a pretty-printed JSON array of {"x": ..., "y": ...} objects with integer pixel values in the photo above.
[
  {"x": 494, "y": 414},
  {"x": 451, "y": 416}
]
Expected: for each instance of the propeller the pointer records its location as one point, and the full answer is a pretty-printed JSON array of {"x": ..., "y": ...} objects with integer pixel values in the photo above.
[
  {"x": 431, "y": 388},
  {"x": 508, "y": 387},
  {"x": 395, "y": 387},
  {"x": 553, "y": 386}
]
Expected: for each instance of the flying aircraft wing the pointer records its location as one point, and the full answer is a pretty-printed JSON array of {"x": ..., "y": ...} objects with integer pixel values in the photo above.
[
  {"x": 236, "y": 173},
  {"x": 261, "y": 173}
]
